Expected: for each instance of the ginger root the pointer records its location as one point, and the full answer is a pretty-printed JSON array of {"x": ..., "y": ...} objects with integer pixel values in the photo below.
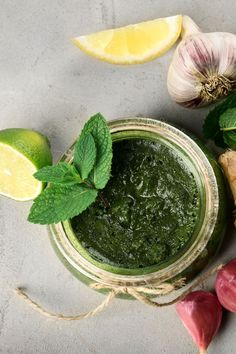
[{"x": 228, "y": 162}]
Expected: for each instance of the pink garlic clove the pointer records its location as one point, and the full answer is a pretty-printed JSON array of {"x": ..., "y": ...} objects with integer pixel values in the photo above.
[
  {"x": 201, "y": 314},
  {"x": 225, "y": 286}
]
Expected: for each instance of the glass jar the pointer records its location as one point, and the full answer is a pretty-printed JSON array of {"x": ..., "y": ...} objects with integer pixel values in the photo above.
[{"x": 208, "y": 233}]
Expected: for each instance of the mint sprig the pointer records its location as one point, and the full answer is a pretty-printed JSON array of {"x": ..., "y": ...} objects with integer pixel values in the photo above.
[{"x": 73, "y": 187}]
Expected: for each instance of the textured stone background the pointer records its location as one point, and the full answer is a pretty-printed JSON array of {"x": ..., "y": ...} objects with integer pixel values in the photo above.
[{"x": 48, "y": 84}]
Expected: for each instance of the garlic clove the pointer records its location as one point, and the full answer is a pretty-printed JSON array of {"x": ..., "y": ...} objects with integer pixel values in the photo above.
[
  {"x": 225, "y": 286},
  {"x": 201, "y": 314}
]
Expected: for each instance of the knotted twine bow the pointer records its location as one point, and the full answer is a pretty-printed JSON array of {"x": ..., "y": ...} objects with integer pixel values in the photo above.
[{"x": 142, "y": 294}]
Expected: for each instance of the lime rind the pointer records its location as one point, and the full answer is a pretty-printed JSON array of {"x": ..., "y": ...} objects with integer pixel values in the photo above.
[{"x": 22, "y": 153}]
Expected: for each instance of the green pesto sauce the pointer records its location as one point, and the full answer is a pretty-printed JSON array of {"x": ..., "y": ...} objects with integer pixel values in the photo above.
[{"x": 152, "y": 203}]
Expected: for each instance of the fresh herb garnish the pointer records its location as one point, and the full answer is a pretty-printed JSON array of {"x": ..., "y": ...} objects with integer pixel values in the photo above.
[
  {"x": 211, "y": 127},
  {"x": 228, "y": 126},
  {"x": 73, "y": 187}
]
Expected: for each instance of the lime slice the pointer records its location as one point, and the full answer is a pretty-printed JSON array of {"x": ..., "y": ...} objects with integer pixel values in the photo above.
[
  {"x": 134, "y": 43},
  {"x": 22, "y": 153}
]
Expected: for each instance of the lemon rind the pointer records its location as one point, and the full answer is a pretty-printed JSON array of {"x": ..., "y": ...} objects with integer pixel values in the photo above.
[{"x": 161, "y": 49}]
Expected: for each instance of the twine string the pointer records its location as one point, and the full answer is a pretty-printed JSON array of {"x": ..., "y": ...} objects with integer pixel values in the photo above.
[
  {"x": 141, "y": 294},
  {"x": 60, "y": 316}
]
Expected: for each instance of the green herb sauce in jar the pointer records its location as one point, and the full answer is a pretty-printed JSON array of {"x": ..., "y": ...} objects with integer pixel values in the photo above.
[{"x": 147, "y": 212}]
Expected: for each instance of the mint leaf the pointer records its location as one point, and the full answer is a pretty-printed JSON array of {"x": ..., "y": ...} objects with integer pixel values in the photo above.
[
  {"x": 211, "y": 125},
  {"x": 58, "y": 203},
  {"x": 85, "y": 154},
  {"x": 227, "y": 124},
  {"x": 227, "y": 120},
  {"x": 230, "y": 138},
  {"x": 62, "y": 173},
  {"x": 97, "y": 126}
]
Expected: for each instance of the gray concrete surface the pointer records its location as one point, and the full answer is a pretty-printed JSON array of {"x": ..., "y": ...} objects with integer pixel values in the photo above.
[{"x": 48, "y": 84}]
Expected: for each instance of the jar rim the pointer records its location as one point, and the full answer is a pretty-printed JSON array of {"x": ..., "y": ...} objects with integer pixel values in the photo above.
[{"x": 208, "y": 178}]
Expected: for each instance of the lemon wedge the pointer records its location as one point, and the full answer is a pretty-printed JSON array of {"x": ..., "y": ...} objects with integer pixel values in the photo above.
[
  {"x": 132, "y": 44},
  {"x": 22, "y": 153}
]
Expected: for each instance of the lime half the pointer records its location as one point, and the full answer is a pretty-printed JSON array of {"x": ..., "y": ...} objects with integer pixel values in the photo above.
[{"x": 22, "y": 153}]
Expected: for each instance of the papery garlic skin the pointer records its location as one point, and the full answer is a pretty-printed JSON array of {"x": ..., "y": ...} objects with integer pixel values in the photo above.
[
  {"x": 226, "y": 286},
  {"x": 203, "y": 68},
  {"x": 201, "y": 314}
]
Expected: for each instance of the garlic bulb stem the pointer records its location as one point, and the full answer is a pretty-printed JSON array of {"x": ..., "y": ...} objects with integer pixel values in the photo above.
[{"x": 189, "y": 27}]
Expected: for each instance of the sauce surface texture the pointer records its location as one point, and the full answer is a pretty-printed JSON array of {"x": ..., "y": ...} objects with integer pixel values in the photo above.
[{"x": 148, "y": 210}]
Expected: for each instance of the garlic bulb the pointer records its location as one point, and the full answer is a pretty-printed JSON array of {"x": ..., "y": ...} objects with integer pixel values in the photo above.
[{"x": 203, "y": 68}]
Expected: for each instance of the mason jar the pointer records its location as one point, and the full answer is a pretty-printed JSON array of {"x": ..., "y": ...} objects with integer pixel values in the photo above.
[{"x": 209, "y": 228}]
